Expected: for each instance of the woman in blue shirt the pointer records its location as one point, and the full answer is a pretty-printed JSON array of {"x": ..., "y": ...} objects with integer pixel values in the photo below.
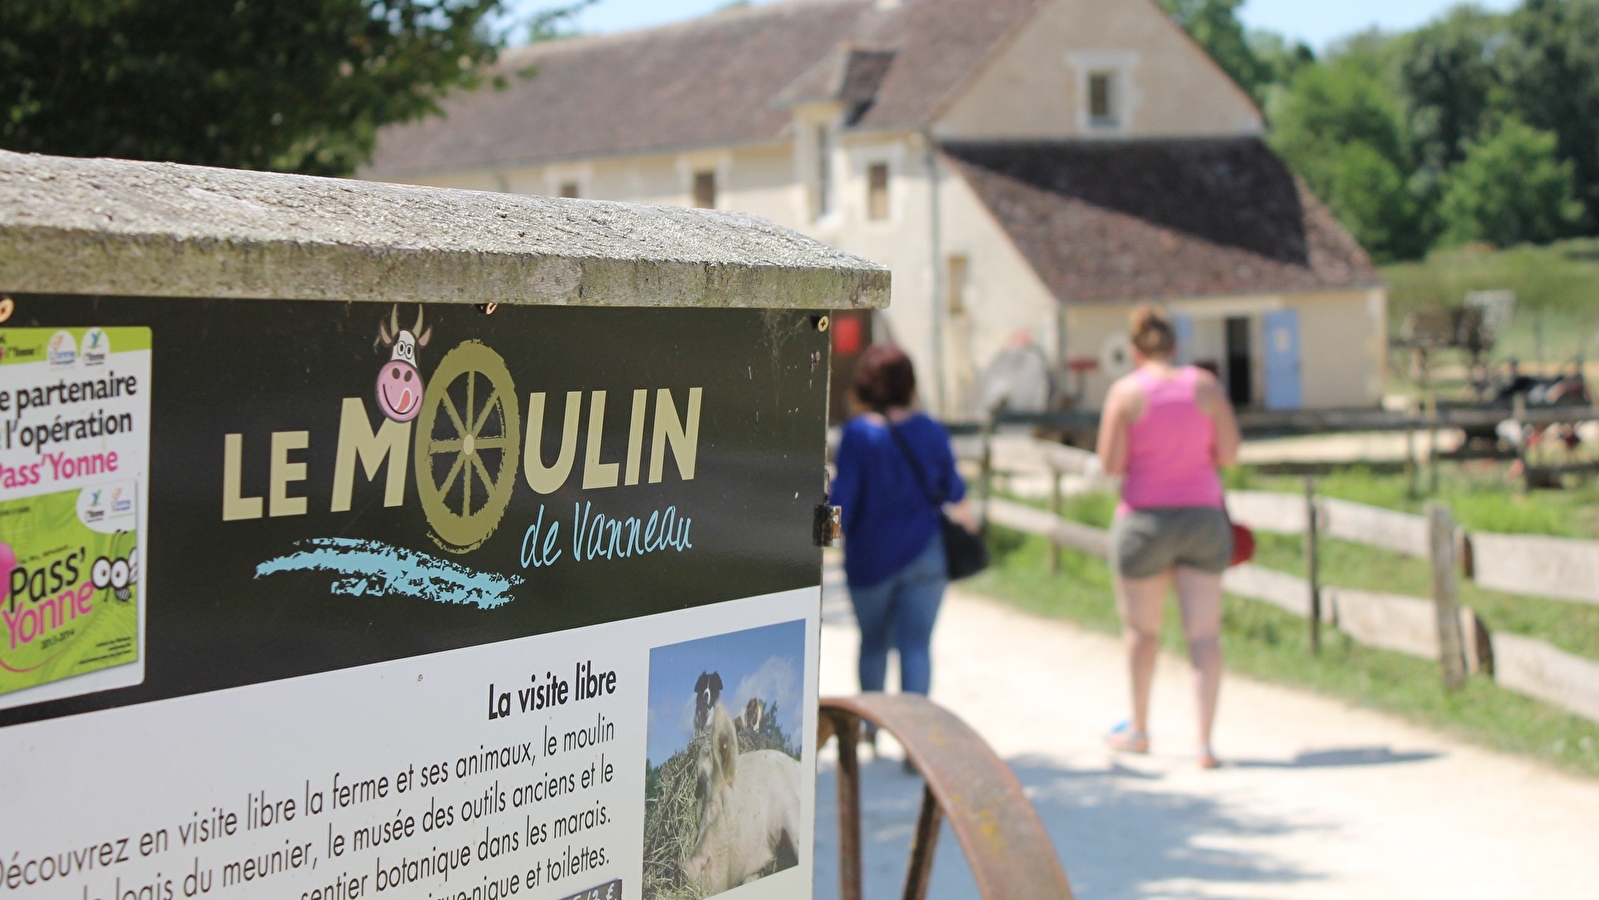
[{"x": 895, "y": 471}]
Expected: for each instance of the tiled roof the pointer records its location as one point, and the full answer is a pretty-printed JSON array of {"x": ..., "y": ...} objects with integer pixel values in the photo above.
[
  {"x": 714, "y": 81},
  {"x": 1153, "y": 219}
]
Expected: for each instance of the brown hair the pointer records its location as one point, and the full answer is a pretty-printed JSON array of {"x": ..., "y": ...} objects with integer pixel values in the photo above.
[
  {"x": 1151, "y": 333},
  {"x": 884, "y": 377}
]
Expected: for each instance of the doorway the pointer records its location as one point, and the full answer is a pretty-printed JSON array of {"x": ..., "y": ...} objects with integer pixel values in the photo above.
[{"x": 1240, "y": 363}]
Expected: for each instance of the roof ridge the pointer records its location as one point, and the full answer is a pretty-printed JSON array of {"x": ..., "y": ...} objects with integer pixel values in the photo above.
[{"x": 715, "y": 17}]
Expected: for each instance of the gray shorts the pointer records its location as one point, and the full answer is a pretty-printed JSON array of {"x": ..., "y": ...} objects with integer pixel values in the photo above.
[{"x": 1146, "y": 542}]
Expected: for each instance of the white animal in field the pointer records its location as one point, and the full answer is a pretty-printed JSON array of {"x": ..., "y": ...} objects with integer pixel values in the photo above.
[{"x": 749, "y": 810}]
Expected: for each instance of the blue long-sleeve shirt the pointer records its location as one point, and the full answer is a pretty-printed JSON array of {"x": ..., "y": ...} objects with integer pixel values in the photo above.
[{"x": 888, "y": 518}]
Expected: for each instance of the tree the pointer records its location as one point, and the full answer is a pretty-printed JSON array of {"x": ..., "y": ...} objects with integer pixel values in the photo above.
[
  {"x": 1368, "y": 194},
  {"x": 1511, "y": 188},
  {"x": 1214, "y": 25},
  {"x": 289, "y": 85},
  {"x": 1341, "y": 128},
  {"x": 1281, "y": 59},
  {"x": 1449, "y": 73},
  {"x": 1551, "y": 75}
]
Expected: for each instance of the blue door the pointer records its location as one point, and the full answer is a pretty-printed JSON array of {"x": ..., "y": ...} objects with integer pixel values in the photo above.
[
  {"x": 1184, "y": 326},
  {"x": 1282, "y": 359}
]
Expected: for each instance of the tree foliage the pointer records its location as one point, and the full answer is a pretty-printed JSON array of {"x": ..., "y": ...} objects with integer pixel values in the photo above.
[
  {"x": 1511, "y": 188},
  {"x": 1214, "y": 25},
  {"x": 1551, "y": 77},
  {"x": 1449, "y": 77},
  {"x": 1342, "y": 130},
  {"x": 289, "y": 85},
  {"x": 1476, "y": 126}
]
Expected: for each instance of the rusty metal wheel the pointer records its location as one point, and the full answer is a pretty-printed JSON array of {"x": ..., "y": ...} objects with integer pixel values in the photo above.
[{"x": 1009, "y": 852}]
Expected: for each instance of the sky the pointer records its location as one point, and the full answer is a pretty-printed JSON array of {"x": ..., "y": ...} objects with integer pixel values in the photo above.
[
  {"x": 763, "y": 662},
  {"x": 1316, "y": 22}
]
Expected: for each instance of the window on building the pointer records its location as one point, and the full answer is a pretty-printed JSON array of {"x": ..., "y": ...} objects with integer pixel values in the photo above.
[
  {"x": 569, "y": 189},
  {"x": 705, "y": 190},
  {"x": 957, "y": 272},
  {"x": 822, "y": 201},
  {"x": 877, "y": 191},
  {"x": 1102, "y": 100}
]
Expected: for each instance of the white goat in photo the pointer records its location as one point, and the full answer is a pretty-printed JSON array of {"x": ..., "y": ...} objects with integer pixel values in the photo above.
[{"x": 749, "y": 810}]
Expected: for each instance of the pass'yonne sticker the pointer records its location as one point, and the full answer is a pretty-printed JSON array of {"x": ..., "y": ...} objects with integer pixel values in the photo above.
[{"x": 74, "y": 452}]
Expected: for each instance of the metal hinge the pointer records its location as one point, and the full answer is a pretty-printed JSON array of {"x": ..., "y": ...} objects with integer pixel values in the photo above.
[{"x": 828, "y": 527}]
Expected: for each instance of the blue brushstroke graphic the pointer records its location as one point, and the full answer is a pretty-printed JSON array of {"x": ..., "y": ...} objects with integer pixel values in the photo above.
[{"x": 371, "y": 567}]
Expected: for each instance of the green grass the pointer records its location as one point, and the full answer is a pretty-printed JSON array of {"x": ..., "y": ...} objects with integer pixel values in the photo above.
[
  {"x": 1573, "y": 627},
  {"x": 1266, "y": 643},
  {"x": 1479, "y": 496},
  {"x": 1482, "y": 505},
  {"x": 1559, "y": 278}
]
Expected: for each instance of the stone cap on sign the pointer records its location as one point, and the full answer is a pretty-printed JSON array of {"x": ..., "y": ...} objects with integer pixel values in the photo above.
[{"x": 120, "y": 228}]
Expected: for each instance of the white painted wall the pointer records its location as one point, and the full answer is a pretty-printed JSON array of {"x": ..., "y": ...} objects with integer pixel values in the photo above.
[
  {"x": 1343, "y": 340},
  {"x": 1037, "y": 87}
]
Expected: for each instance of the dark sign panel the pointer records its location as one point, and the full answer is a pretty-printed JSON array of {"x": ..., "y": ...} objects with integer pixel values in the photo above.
[{"x": 455, "y": 526}]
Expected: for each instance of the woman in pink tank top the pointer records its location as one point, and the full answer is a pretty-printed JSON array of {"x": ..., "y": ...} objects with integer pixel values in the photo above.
[{"x": 1166, "y": 430}]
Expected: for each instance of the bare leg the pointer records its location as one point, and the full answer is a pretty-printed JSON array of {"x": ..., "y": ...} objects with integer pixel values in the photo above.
[
  {"x": 1199, "y": 598},
  {"x": 1142, "y": 603}
]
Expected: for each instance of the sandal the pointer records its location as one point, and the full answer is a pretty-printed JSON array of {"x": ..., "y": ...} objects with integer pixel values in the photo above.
[{"x": 1124, "y": 740}]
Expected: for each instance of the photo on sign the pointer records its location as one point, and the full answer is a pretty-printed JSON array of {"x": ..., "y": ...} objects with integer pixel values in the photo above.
[{"x": 722, "y": 779}]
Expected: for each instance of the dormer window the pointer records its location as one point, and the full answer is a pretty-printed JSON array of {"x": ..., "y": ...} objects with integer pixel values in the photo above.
[
  {"x": 1102, "y": 92},
  {"x": 1106, "y": 85}
]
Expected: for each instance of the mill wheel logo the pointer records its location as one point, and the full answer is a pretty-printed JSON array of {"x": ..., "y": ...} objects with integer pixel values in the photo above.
[{"x": 468, "y": 443}]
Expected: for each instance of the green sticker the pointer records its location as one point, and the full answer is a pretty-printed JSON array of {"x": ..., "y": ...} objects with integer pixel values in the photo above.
[{"x": 69, "y": 592}]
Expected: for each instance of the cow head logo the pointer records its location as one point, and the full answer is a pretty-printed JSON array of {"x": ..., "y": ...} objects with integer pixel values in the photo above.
[{"x": 399, "y": 385}]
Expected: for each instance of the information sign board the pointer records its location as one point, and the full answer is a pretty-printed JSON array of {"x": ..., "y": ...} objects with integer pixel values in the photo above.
[{"x": 342, "y": 600}]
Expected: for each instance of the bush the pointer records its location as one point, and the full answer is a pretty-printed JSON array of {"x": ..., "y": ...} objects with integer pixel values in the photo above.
[{"x": 1511, "y": 188}]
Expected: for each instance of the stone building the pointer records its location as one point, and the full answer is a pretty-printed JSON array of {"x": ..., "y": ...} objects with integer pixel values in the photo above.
[{"x": 1029, "y": 169}]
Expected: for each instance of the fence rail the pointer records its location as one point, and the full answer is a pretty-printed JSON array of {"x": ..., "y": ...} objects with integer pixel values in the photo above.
[
  {"x": 1529, "y": 565},
  {"x": 1283, "y": 423},
  {"x": 1557, "y": 568}
]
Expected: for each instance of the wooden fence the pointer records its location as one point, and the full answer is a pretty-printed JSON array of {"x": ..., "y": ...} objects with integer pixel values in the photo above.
[{"x": 1428, "y": 628}]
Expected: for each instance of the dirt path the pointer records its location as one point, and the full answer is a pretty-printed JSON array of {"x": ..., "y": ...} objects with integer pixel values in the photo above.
[{"x": 1319, "y": 800}]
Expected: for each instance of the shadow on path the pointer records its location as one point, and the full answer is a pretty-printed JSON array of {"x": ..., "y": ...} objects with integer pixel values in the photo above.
[
  {"x": 1338, "y": 759},
  {"x": 1118, "y": 836}
]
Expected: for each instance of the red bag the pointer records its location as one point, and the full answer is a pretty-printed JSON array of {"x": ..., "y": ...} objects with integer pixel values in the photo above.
[{"x": 1243, "y": 544}]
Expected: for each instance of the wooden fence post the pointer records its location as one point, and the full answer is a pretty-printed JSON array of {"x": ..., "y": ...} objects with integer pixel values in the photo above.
[
  {"x": 1410, "y": 461},
  {"x": 1054, "y": 509},
  {"x": 1312, "y": 566},
  {"x": 985, "y": 477},
  {"x": 1432, "y": 444},
  {"x": 1451, "y": 647},
  {"x": 1518, "y": 410}
]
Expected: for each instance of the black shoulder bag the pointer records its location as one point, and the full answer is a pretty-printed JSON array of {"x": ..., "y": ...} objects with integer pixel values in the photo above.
[{"x": 965, "y": 553}]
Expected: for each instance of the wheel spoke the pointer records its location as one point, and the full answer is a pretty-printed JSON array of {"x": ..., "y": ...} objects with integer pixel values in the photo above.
[
  {"x": 477, "y": 427},
  {"x": 449, "y": 446},
  {"x": 494, "y": 443},
  {"x": 466, "y": 489},
  {"x": 449, "y": 480},
  {"x": 471, "y": 402},
  {"x": 455, "y": 415},
  {"x": 483, "y": 473}
]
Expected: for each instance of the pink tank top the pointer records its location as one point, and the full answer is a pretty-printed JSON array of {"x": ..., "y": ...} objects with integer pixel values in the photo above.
[{"x": 1171, "y": 458}]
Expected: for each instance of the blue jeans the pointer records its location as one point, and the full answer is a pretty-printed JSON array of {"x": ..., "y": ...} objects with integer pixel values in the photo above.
[{"x": 900, "y": 612}]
